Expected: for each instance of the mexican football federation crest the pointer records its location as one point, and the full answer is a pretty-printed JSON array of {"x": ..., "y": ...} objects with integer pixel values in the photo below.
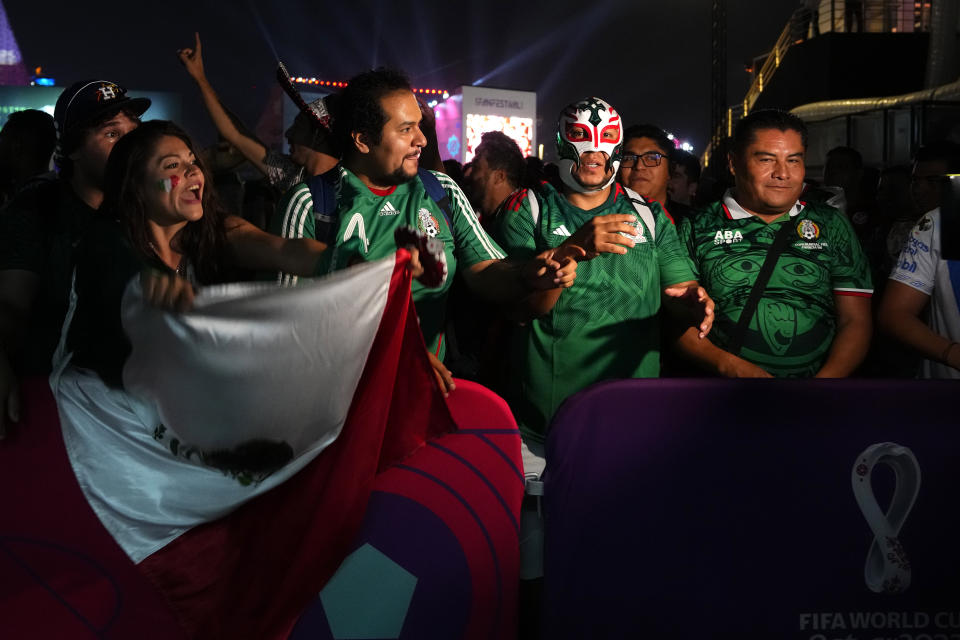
[
  {"x": 427, "y": 223},
  {"x": 808, "y": 230}
]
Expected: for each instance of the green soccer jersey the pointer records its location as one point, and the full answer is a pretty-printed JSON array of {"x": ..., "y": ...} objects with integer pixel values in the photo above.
[
  {"x": 366, "y": 222},
  {"x": 293, "y": 219},
  {"x": 603, "y": 327},
  {"x": 793, "y": 327}
]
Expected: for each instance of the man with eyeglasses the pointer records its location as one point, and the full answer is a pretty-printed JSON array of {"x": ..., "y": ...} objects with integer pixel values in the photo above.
[
  {"x": 791, "y": 281},
  {"x": 922, "y": 278},
  {"x": 606, "y": 325},
  {"x": 645, "y": 166}
]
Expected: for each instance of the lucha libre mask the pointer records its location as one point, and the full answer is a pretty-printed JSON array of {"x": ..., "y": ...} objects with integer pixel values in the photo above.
[{"x": 589, "y": 118}]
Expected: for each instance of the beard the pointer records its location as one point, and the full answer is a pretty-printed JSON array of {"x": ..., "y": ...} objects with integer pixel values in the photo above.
[{"x": 398, "y": 176}]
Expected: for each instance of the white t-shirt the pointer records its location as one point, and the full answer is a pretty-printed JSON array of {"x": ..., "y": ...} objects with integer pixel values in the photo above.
[{"x": 921, "y": 267}]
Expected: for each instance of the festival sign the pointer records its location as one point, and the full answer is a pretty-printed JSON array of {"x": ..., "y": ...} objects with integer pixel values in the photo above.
[{"x": 512, "y": 112}]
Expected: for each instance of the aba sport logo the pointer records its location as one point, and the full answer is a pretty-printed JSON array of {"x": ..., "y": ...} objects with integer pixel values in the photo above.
[
  {"x": 808, "y": 230},
  {"x": 427, "y": 223}
]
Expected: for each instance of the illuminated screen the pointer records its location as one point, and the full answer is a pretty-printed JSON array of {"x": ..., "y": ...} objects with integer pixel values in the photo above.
[
  {"x": 520, "y": 129},
  {"x": 447, "y": 115}
]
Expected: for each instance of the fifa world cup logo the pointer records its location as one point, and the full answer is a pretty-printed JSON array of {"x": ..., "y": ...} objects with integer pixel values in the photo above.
[{"x": 887, "y": 569}]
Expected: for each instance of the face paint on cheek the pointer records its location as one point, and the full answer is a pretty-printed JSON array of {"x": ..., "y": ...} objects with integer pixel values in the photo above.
[{"x": 167, "y": 184}]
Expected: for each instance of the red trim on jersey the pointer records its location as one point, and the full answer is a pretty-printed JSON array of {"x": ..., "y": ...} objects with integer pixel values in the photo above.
[
  {"x": 669, "y": 217},
  {"x": 439, "y": 343},
  {"x": 383, "y": 192},
  {"x": 515, "y": 200},
  {"x": 619, "y": 192},
  {"x": 859, "y": 294},
  {"x": 726, "y": 211}
]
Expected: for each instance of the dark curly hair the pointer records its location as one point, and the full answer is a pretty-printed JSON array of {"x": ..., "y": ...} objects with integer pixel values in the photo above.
[
  {"x": 501, "y": 152},
  {"x": 125, "y": 197},
  {"x": 358, "y": 108},
  {"x": 651, "y": 131}
]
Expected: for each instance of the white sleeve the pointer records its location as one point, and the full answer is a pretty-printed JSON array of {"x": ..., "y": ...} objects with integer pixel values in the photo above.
[{"x": 917, "y": 264}]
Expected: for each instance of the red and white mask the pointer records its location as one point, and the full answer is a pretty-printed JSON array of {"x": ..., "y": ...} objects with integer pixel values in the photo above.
[{"x": 588, "y": 125}]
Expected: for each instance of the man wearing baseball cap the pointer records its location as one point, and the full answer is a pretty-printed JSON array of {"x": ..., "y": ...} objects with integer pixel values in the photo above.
[{"x": 39, "y": 230}]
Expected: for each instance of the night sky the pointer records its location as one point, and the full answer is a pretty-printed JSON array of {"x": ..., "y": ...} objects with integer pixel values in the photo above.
[{"x": 651, "y": 60}]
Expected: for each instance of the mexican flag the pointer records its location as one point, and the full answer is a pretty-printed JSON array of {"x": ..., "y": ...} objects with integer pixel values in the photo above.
[{"x": 233, "y": 471}]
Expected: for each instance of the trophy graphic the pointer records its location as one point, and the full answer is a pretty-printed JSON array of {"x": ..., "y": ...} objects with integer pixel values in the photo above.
[{"x": 887, "y": 569}]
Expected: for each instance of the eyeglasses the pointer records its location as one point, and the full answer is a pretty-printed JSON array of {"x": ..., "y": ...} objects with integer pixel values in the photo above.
[{"x": 649, "y": 159}]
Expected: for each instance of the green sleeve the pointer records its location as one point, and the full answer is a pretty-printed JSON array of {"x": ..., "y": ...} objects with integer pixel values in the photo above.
[
  {"x": 850, "y": 267},
  {"x": 675, "y": 263},
  {"x": 294, "y": 215},
  {"x": 293, "y": 218},
  {"x": 472, "y": 243},
  {"x": 514, "y": 227}
]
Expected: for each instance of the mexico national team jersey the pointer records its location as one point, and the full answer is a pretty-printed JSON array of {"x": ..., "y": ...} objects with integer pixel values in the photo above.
[
  {"x": 366, "y": 222},
  {"x": 922, "y": 267},
  {"x": 603, "y": 327},
  {"x": 294, "y": 218},
  {"x": 793, "y": 328}
]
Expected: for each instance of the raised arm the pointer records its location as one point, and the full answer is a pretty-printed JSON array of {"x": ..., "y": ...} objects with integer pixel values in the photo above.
[{"x": 252, "y": 150}]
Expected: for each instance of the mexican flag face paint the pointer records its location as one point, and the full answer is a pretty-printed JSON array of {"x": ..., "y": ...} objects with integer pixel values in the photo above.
[{"x": 167, "y": 184}]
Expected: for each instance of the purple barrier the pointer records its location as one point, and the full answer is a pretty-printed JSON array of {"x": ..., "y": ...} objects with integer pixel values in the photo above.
[{"x": 775, "y": 509}]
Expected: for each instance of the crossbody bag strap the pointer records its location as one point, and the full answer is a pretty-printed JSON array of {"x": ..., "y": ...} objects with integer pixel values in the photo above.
[{"x": 760, "y": 285}]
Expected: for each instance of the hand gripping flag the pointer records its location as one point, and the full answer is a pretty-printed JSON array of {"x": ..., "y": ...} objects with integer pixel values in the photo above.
[{"x": 236, "y": 467}]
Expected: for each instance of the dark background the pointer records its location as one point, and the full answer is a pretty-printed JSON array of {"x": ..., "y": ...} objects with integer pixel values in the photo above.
[{"x": 651, "y": 60}]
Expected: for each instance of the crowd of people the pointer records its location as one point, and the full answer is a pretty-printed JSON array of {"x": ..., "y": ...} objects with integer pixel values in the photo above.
[
  {"x": 611, "y": 263},
  {"x": 558, "y": 271}
]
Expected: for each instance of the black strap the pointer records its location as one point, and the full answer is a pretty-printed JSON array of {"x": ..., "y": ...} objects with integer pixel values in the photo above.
[{"x": 753, "y": 300}]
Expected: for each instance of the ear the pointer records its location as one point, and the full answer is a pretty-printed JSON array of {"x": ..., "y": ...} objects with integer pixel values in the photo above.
[
  {"x": 499, "y": 176},
  {"x": 692, "y": 189},
  {"x": 360, "y": 141},
  {"x": 731, "y": 163}
]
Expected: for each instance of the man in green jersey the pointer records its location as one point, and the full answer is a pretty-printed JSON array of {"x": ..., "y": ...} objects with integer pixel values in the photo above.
[
  {"x": 605, "y": 326},
  {"x": 378, "y": 189},
  {"x": 813, "y": 316}
]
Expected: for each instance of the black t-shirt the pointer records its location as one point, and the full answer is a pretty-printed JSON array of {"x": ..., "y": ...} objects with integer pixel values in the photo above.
[
  {"x": 39, "y": 232},
  {"x": 106, "y": 263}
]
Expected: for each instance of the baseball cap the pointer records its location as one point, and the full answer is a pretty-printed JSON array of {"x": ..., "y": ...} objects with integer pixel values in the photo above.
[{"x": 83, "y": 102}]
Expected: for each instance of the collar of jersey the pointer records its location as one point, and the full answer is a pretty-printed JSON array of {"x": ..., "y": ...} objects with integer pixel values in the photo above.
[
  {"x": 352, "y": 187},
  {"x": 736, "y": 212}
]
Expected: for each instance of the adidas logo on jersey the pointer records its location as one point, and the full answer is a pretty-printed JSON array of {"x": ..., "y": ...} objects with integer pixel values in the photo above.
[
  {"x": 727, "y": 237},
  {"x": 388, "y": 210},
  {"x": 561, "y": 231}
]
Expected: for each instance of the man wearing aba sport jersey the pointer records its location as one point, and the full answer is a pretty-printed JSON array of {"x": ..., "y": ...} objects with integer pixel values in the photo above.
[
  {"x": 377, "y": 125},
  {"x": 605, "y": 326},
  {"x": 813, "y": 316}
]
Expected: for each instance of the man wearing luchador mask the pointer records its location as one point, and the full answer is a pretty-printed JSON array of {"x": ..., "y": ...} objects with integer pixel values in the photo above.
[{"x": 605, "y": 326}]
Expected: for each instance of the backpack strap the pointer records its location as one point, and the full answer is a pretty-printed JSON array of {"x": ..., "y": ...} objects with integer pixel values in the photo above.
[
  {"x": 323, "y": 190},
  {"x": 437, "y": 193},
  {"x": 760, "y": 284},
  {"x": 534, "y": 207},
  {"x": 642, "y": 207}
]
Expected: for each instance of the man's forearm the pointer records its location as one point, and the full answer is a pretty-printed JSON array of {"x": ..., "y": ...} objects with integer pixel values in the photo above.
[
  {"x": 497, "y": 281},
  {"x": 849, "y": 348},
  {"x": 715, "y": 360},
  {"x": 702, "y": 351},
  {"x": 913, "y": 332}
]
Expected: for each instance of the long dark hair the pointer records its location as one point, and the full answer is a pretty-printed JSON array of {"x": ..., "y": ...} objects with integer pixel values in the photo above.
[{"x": 125, "y": 197}]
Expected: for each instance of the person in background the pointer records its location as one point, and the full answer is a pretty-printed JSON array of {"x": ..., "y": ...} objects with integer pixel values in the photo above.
[{"x": 924, "y": 283}]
